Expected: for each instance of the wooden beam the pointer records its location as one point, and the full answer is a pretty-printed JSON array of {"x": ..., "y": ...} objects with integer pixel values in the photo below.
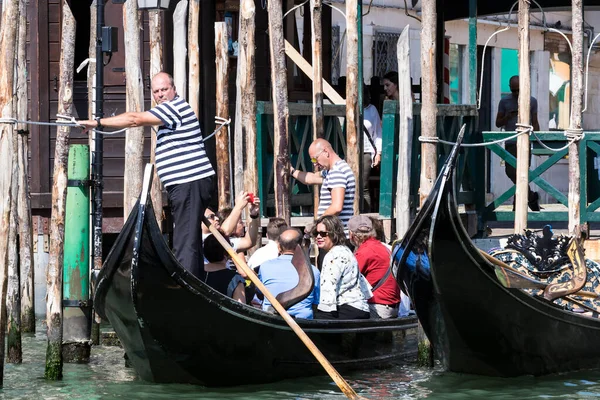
[
  {"x": 522, "y": 184},
  {"x": 194, "y": 56},
  {"x": 280, "y": 99},
  {"x": 304, "y": 65},
  {"x": 247, "y": 85},
  {"x": 156, "y": 66},
  {"x": 222, "y": 138},
  {"x": 575, "y": 200},
  {"x": 428, "y": 129},
  {"x": 13, "y": 299},
  {"x": 316, "y": 8},
  {"x": 404, "y": 134},
  {"x": 180, "y": 47},
  {"x": 54, "y": 309},
  {"x": 429, "y": 98},
  {"x": 24, "y": 201},
  {"x": 352, "y": 114},
  {"x": 134, "y": 139}
]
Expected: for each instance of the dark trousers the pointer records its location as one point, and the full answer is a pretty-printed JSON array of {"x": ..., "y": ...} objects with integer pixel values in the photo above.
[
  {"x": 364, "y": 183},
  {"x": 188, "y": 202},
  {"x": 343, "y": 312}
]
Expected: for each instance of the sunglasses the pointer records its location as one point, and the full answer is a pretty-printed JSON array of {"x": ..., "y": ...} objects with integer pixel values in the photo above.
[
  {"x": 315, "y": 158},
  {"x": 213, "y": 217},
  {"x": 321, "y": 233}
]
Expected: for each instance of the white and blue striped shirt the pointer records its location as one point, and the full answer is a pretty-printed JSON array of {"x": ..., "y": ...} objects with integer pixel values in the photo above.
[
  {"x": 339, "y": 176},
  {"x": 180, "y": 155}
]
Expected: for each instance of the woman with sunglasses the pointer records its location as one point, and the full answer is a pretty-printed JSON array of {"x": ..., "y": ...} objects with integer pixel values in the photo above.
[{"x": 344, "y": 291}]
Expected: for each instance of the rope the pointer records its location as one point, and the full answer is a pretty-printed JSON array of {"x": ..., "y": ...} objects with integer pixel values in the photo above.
[
  {"x": 14, "y": 121},
  {"x": 573, "y": 135}
]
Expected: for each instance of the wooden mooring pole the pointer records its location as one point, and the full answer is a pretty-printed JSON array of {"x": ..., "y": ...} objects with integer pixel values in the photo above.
[
  {"x": 316, "y": 12},
  {"x": 352, "y": 114},
  {"x": 405, "y": 134},
  {"x": 428, "y": 129},
  {"x": 222, "y": 138},
  {"x": 54, "y": 309},
  {"x": 8, "y": 37},
  {"x": 180, "y": 48},
  {"x": 134, "y": 139},
  {"x": 92, "y": 92},
  {"x": 575, "y": 122},
  {"x": 280, "y": 111},
  {"x": 524, "y": 117},
  {"x": 156, "y": 66},
  {"x": 23, "y": 202},
  {"x": 13, "y": 299},
  {"x": 247, "y": 99},
  {"x": 194, "y": 56}
]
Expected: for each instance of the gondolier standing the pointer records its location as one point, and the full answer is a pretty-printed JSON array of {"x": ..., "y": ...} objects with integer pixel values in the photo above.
[{"x": 181, "y": 163}]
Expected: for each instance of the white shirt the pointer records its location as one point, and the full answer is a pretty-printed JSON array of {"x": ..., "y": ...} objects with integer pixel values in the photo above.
[
  {"x": 265, "y": 253},
  {"x": 373, "y": 125},
  {"x": 341, "y": 281}
]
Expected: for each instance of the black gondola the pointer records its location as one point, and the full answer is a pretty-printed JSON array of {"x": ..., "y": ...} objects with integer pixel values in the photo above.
[
  {"x": 477, "y": 325},
  {"x": 175, "y": 328}
]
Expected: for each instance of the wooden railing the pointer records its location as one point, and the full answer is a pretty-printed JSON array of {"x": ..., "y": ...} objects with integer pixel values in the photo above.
[
  {"x": 450, "y": 119},
  {"x": 589, "y": 147}
]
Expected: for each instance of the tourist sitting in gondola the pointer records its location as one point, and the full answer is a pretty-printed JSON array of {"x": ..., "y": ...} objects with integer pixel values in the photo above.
[
  {"x": 374, "y": 263},
  {"x": 218, "y": 276},
  {"x": 344, "y": 291},
  {"x": 233, "y": 226},
  {"x": 279, "y": 275}
]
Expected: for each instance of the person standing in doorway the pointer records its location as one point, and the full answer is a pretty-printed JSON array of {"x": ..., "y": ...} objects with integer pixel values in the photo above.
[
  {"x": 372, "y": 133},
  {"x": 507, "y": 119},
  {"x": 181, "y": 164}
]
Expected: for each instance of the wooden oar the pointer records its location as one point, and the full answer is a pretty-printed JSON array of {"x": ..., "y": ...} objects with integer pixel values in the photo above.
[{"x": 337, "y": 378}]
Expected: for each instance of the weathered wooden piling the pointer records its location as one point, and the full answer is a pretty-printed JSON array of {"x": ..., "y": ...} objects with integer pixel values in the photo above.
[
  {"x": 156, "y": 66},
  {"x": 405, "y": 134},
  {"x": 134, "y": 139},
  {"x": 54, "y": 312},
  {"x": 91, "y": 88},
  {"x": 575, "y": 122},
  {"x": 353, "y": 128},
  {"x": 428, "y": 129},
  {"x": 429, "y": 91},
  {"x": 316, "y": 12},
  {"x": 180, "y": 48},
  {"x": 247, "y": 84},
  {"x": 13, "y": 299},
  {"x": 77, "y": 309},
  {"x": 524, "y": 117},
  {"x": 222, "y": 97},
  {"x": 280, "y": 111},
  {"x": 24, "y": 202},
  {"x": 193, "y": 46}
]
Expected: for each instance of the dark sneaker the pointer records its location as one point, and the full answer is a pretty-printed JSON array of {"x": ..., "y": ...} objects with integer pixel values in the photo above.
[{"x": 534, "y": 201}]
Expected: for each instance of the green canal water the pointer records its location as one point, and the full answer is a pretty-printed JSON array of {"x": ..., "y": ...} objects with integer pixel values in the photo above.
[{"x": 106, "y": 377}]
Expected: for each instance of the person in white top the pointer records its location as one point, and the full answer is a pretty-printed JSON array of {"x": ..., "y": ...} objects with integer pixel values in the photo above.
[
  {"x": 269, "y": 251},
  {"x": 372, "y": 147},
  {"x": 344, "y": 290}
]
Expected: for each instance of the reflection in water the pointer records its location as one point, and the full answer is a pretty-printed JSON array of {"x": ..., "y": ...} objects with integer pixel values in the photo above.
[{"x": 107, "y": 378}]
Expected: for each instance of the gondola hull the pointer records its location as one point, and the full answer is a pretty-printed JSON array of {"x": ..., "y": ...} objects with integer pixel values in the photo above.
[
  {"x": 175, "y": 328},
  {"x": 477, "y": 325}
]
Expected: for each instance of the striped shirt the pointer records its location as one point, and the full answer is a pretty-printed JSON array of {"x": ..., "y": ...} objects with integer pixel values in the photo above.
[
  {"x": 339, "y": 176},
  {"x": 180, "y": 155}
]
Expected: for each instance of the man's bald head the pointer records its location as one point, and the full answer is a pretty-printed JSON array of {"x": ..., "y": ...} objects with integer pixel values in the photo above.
[
  {"x": 289, "y": 239},
  {"x": 318, "y": 145},
  {"x": 163, "y": 88}
]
